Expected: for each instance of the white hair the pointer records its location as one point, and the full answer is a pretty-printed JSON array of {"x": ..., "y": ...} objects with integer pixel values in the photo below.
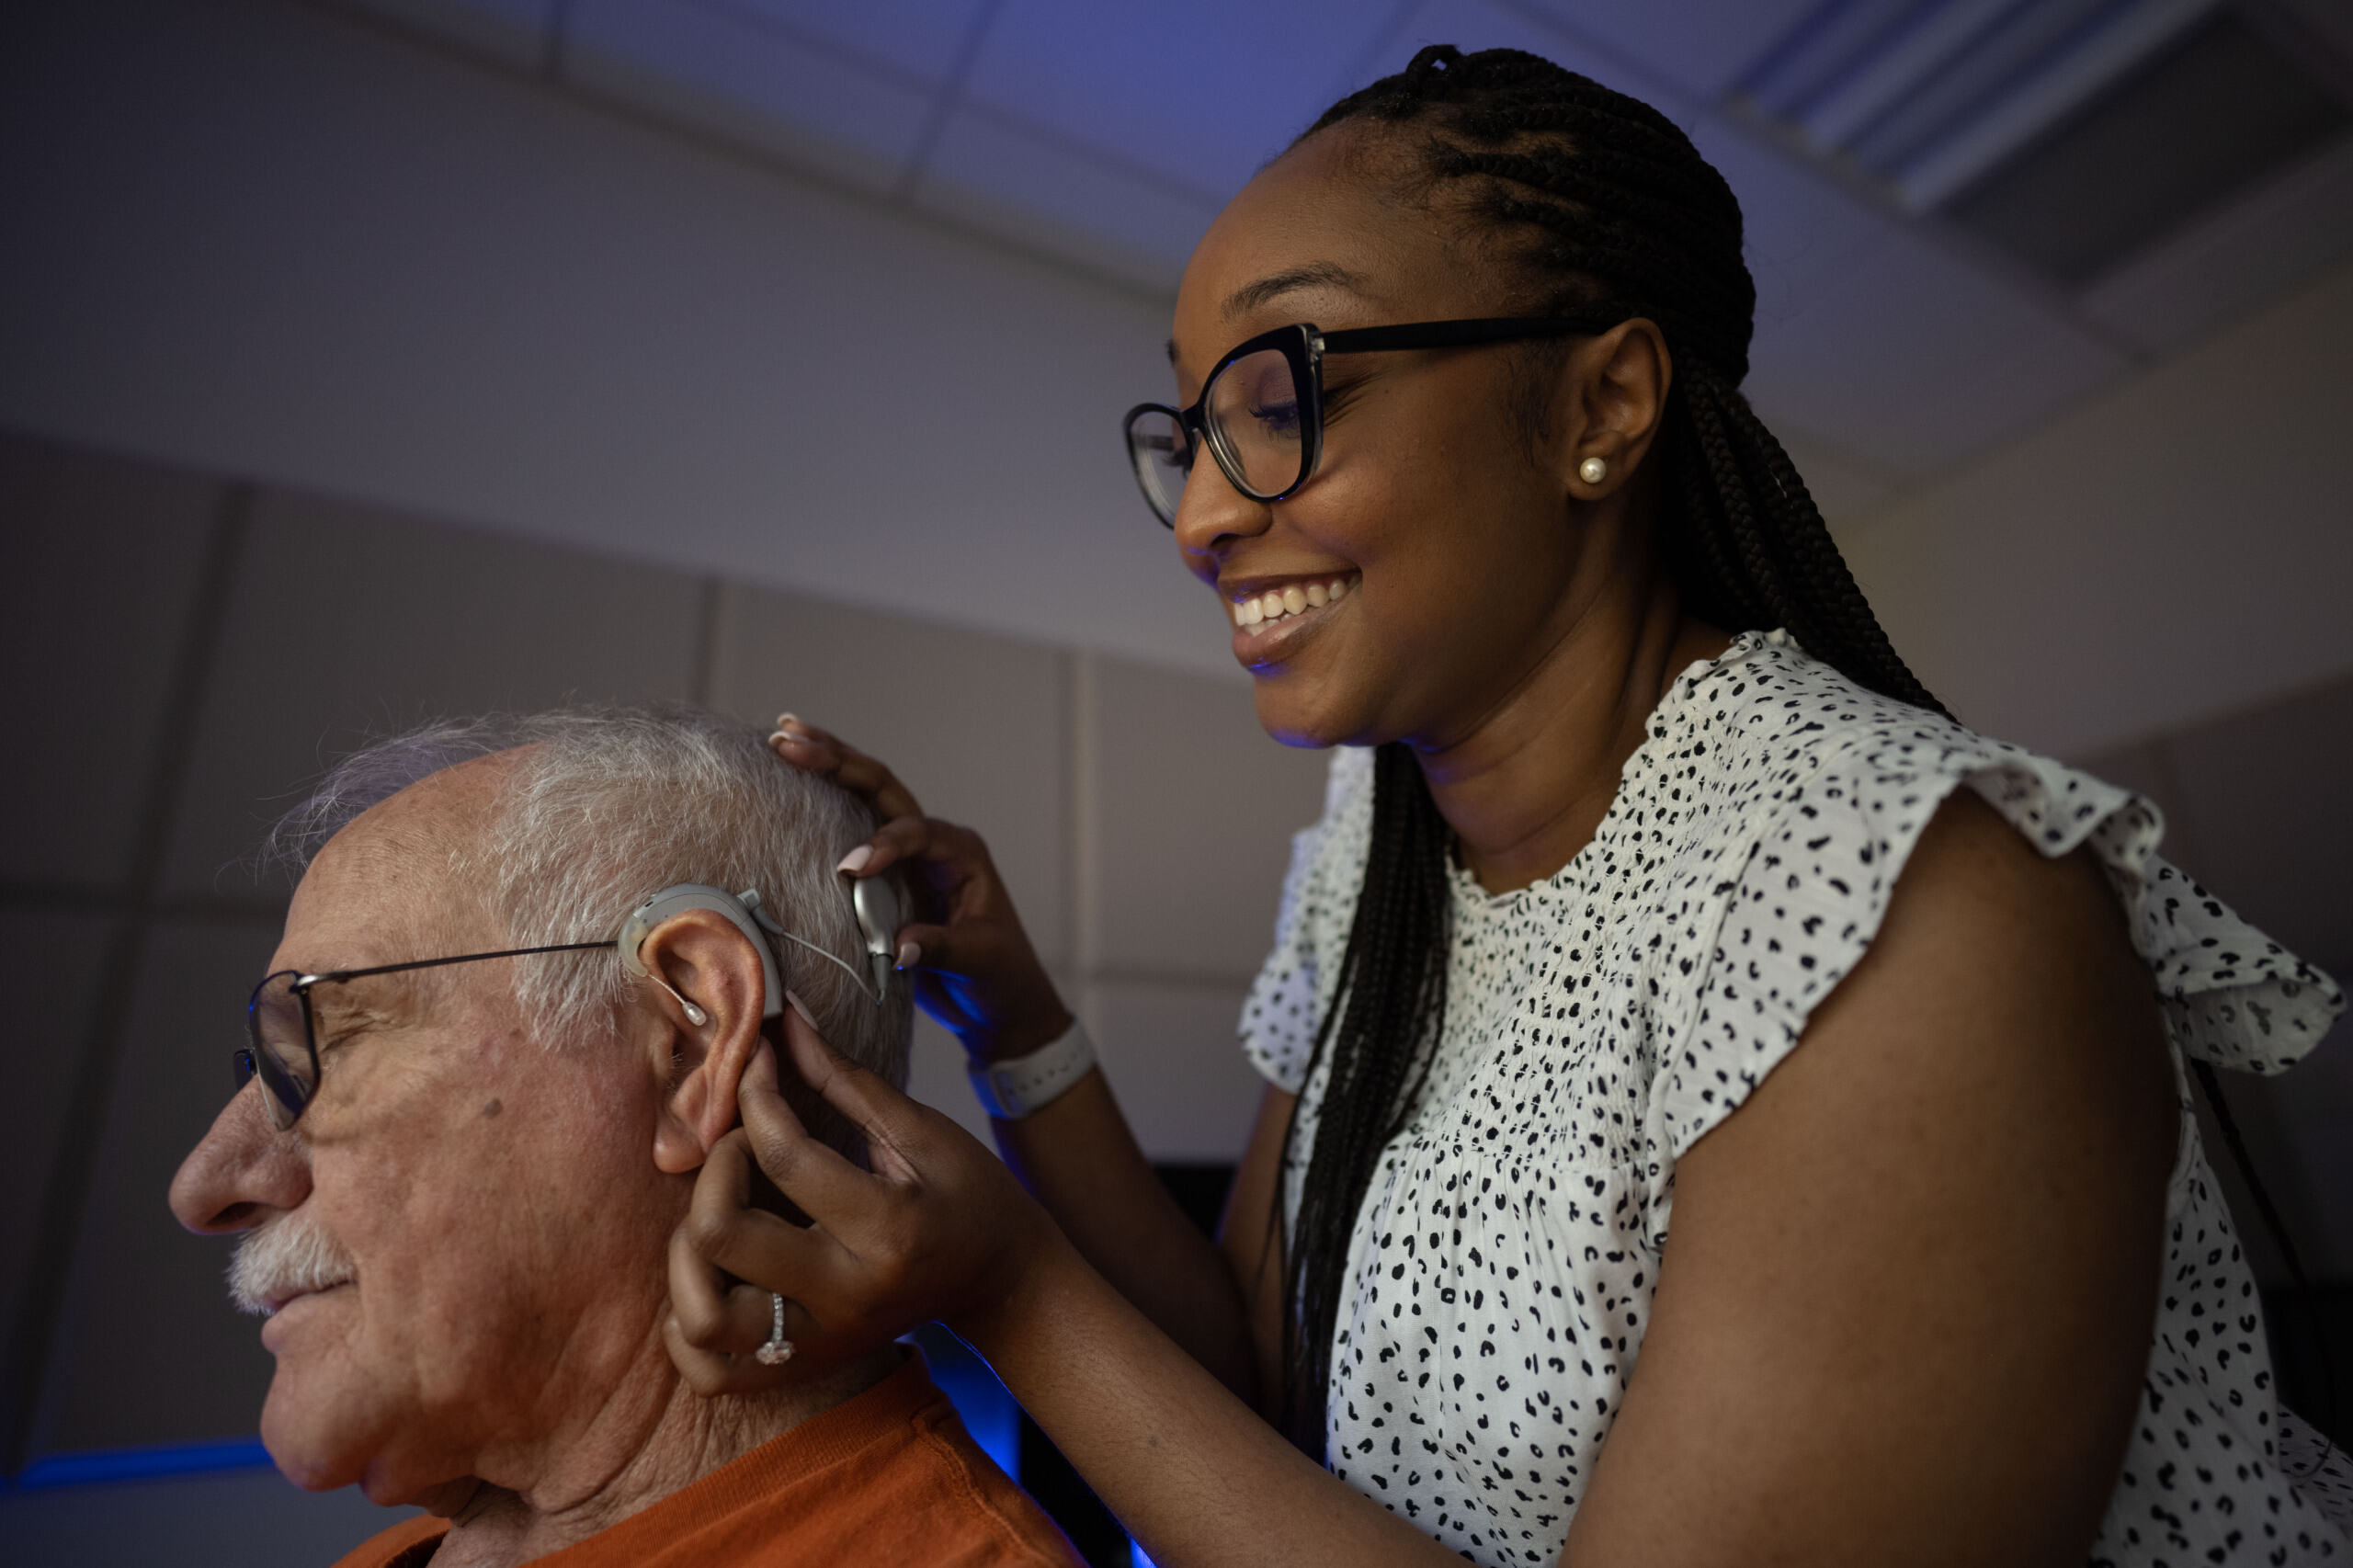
[{"x": 606, "y": 805}]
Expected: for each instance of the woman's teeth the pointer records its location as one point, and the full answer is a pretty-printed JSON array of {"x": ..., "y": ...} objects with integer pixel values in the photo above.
[{"x": 1261, "y": 609}]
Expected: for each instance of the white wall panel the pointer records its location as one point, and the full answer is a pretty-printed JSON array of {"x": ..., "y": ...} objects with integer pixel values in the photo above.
[
  {"x": 2171, "y": 553},
  {"x": 147, "y": 1348},
  {"x": 1171, "y": 1056},
  {"x": 1187, "y": 812},
  {"x": 54, "y": 963},
  {"x": 258, "y": 238},
  {"x": 976, "y": 726},
  {"x": 346, "y": 624},
  {"x": 103, "y": 562}
]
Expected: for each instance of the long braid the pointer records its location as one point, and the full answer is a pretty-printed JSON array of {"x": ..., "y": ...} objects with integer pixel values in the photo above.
[
  {"x": 1400, "y": 909},
  {"x": 1605, "y": 201}
]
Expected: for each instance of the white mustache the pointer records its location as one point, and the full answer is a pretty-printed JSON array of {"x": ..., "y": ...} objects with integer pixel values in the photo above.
[{"x": 282, "y": 1258}]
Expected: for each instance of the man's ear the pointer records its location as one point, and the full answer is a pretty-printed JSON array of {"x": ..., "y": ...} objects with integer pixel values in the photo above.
[
  {"x": 697, "y": 962},
  {"x": 1612, "y": 395}
]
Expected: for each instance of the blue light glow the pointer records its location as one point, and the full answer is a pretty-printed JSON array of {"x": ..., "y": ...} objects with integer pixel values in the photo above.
[{"x": 104, "y": 1465}]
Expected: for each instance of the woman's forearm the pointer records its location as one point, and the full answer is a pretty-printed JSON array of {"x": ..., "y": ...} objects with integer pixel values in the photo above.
[
  {"x": 1193, "y": 1473},
  {"x": 1078, "y": 1156}
]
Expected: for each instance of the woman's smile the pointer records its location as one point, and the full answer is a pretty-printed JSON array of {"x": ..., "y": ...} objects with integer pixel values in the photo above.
[{"x": 1271, "y": 614}]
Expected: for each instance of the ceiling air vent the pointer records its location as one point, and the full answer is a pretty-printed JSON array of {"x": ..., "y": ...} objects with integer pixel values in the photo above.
[{"x": 2071, "y": 133}]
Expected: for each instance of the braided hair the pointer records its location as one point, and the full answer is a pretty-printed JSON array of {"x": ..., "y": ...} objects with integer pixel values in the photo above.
[{"x": 1599, "y": 201}]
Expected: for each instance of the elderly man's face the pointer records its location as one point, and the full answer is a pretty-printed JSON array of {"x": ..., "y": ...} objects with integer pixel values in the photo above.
[{"x": 471, "y": 1217}]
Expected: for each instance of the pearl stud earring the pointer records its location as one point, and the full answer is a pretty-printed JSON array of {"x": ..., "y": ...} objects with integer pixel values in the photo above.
[{"x": 1593, "y": 470}]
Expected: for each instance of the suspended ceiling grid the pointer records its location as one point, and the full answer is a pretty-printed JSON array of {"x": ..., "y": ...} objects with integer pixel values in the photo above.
[{"x": 1892, "y": 342}]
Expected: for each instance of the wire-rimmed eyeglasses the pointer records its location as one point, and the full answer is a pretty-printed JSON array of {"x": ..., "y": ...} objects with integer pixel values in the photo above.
[
  {"x": 1261, "y": 410},
  {"x": 282, "y": 1030}
]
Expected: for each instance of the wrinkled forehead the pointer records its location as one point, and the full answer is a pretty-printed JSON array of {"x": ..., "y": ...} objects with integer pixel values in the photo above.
[{"x": 403, "y": 877}]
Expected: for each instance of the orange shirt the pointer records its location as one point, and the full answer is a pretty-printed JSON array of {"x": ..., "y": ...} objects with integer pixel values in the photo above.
[{"x": 890, "y": 1477}]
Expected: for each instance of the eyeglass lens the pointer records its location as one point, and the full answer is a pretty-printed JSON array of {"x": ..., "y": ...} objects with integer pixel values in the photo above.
[
  {"x": 278, "y": 1027},
  {"x": 1253, "y": 411},
  {"x": 1162, "y": 454}
]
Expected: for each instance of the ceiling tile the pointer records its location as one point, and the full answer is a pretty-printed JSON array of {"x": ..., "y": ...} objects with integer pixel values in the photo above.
[
  {"x": 1883, "y": 348},
  {"x": 1045, "y": 194},
  {"x": 516, "y": 31},
  {"x": 1800, "y": 228},
  {"x": 1204, "y": 94},
  {"x": 733, "y": 74},
  {"x": 2287, "y": 231},
  {"x": 1907, "y": 361},
  {"x": 1700, "y": 46},
  {"x": 923, "y": 37},
  {"x": 1473, "y": 25}
]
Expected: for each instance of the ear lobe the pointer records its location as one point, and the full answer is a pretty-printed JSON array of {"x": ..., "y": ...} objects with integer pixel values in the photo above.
[{"x": 1622, "y": 377}]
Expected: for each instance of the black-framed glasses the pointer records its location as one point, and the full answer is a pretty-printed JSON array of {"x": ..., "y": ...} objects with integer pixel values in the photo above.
[
  {"x": 1261, "y": 410},
  {"x": 282, "y": 1030}
]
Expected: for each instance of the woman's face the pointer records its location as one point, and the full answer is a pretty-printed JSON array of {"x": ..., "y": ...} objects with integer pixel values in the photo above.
[{"x": 1451, "y": 547}]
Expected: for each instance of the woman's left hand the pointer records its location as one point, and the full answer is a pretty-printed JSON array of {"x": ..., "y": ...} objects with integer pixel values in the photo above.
[{"x": 937, "y": 1229}]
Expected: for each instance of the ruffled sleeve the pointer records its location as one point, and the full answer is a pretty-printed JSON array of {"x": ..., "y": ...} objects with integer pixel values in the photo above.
[
  {"x": 1805, "y": 908},
  {"x": 1294, "y": 986}
]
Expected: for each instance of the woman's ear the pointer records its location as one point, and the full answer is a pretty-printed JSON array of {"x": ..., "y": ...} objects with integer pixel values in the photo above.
[
  {"x": 1613, "y": 393},
  {"x": 701, "y": 1003}
]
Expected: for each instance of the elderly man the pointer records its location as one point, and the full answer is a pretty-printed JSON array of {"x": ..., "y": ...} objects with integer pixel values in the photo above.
[{"x": 476, "y": 1122}]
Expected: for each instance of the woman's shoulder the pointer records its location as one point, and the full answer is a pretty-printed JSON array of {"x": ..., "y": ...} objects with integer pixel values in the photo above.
[
  {"x": 1778, "y": 748},
  {"x": 1822, "y": 793},
  {"x": 1768, "y": 720}
]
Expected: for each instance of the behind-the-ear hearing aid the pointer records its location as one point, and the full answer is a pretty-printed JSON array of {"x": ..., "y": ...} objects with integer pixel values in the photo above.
[{"x": 878, "y": 919}]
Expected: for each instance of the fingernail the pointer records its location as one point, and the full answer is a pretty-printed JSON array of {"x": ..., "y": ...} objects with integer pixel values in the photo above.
[
  {"x": 855, "y": 861},
  {"x": 786, "y": 720},
  {"x": 792, "y": 1000},
  {"x": 910, "y": 955}
]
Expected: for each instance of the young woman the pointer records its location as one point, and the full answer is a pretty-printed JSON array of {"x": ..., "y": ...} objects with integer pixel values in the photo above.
[{"x": 1669, "y": 983}]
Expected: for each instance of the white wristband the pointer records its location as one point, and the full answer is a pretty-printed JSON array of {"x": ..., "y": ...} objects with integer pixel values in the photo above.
[{"x": 1011, "y": 1090}]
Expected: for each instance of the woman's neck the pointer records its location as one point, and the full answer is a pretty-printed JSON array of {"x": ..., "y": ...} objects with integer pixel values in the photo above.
[{"x": 1527, "y": 786}]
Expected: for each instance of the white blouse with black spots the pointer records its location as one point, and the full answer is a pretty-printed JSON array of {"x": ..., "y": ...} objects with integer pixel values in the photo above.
[{"x": 1600, "y": 1022}]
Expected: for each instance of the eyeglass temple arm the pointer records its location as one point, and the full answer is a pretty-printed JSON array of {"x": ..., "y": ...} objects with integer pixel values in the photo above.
[
  {"x": 1462, "y": 333},
  {"x": 304, "y": 981}
]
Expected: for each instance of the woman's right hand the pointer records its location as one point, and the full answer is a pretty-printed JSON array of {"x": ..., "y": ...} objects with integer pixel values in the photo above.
[
  {"x": 972, "y": 965},
  {"x": 932, "y": 1227}
]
